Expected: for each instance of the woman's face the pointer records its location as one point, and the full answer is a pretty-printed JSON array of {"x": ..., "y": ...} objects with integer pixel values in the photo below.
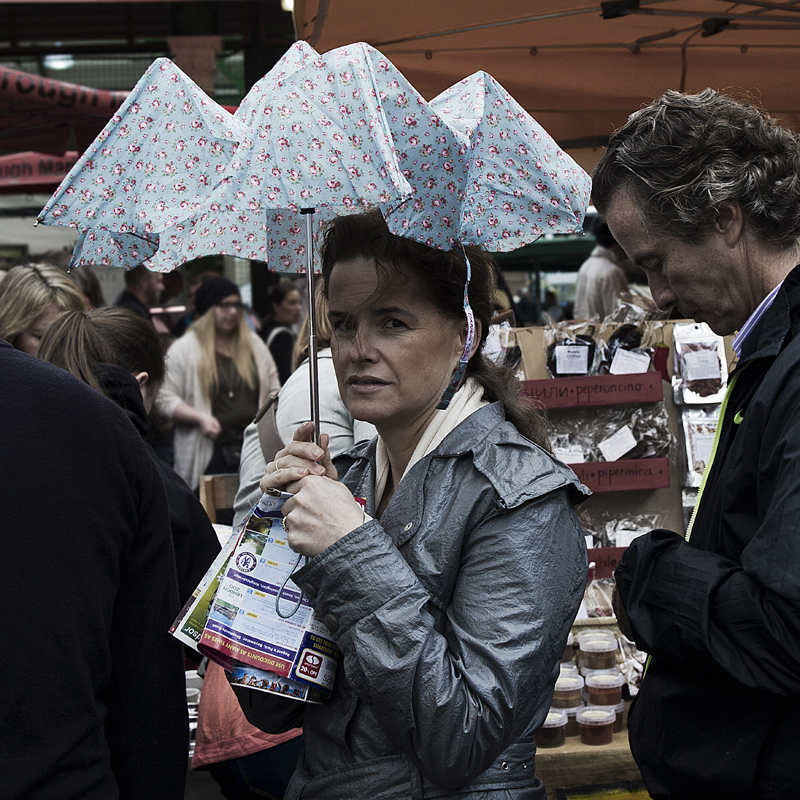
[
  {"x": 29, "y": 340},
  {"x": 227, "y": 314},
  {"x": 394, "y": 352},
  {"x": 288, "y": 311}
]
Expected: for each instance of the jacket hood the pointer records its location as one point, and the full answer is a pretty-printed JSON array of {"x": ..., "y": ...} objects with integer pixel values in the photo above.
[
  {"x": 123, "y": 389},
  {"x": 518, "y": 469}
]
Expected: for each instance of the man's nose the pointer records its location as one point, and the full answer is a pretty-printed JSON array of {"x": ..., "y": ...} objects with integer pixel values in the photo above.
[{"x": 663, "y": 296}]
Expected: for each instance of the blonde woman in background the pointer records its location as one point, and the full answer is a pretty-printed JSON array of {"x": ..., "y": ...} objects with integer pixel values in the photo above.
[
  {"x": 31, "y": 297},
  {"x": 218, "y": 375}
]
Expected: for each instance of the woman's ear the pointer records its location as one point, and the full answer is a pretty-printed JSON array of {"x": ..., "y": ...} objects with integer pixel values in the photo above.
[
  {"x": 476, "y": 342},
  {"x": 142, "y": 378},
  {"x": 478, "y": 333}
]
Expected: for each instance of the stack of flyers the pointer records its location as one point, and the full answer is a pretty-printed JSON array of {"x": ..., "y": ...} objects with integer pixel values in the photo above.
[{"x": 232, "y": 616}]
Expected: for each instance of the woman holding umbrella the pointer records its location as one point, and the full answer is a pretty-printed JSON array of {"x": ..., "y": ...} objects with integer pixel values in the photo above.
[{"x": 452, "y": 596}]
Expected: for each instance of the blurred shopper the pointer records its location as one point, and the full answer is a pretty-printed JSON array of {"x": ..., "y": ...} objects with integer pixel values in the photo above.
[
  {"x": 702, "y": 192},
  {"x": 182, "y": 325},
  {"x": 143, "y": 289},
  {"x": 218, "y": 374},
  {"x": 31, "y": 297},
  {"x": 552, "y": 308},
  {"x": 277, "y": 329},
  {"x": 601, "y": 278},
  {"x": 93, "y": 690},
  {"x": 119, "y": 354}
]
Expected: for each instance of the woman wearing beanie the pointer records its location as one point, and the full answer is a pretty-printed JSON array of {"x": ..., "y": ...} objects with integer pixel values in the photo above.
[{"x": 218, "y": 375}]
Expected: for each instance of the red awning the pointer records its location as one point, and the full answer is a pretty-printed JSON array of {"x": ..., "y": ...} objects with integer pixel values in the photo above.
[
  {"x": 51, "y": 116},
  {"x": 580, "y": 67},
  {"x": 34, "y": 172}
]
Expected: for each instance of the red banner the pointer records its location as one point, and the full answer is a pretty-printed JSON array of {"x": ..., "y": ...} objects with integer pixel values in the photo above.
[
  {"x": 40, "y": 91},
  {"x": 27, "y": 171},
  {"x": 50, "y": 116}
]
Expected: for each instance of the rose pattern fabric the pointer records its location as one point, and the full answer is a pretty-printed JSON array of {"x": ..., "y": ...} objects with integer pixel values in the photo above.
[
  {"x": 173, "y": 176},
  {"x": 504, "y": 185},
  {"x": 320, "y": 140},
  {"x": 164, "y": 154}
]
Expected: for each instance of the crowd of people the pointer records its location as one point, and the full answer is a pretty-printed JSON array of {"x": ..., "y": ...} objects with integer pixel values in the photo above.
[{"x": 442, "y": 546}]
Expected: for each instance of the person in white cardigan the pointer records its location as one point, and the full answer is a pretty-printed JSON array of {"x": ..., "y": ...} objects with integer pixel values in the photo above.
[{"x": 217, "y": 369}]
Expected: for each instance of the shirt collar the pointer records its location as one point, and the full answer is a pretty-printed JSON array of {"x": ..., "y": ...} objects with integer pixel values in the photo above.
[{"x": 753, "y": 320}]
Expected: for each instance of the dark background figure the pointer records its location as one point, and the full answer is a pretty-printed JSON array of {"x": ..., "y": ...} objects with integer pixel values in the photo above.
[
  {"x": 552, "y": 308},
  {"x": 89, "y": 284},
  {"x": 143, "y": 289},
  {"x": 702, "y": 192},
  {"x": 601, "y": 278},
  {"x": 182, "y": 325},
  {"x": 277, "y": 329},
  {"x": 94, "y": 702},
  {"x": 119, "y": 354}
]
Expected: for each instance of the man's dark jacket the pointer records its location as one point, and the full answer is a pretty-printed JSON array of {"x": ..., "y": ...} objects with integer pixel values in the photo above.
[
  {"x": 130, "y": 301},
  {"x": 718, "y": 711}
]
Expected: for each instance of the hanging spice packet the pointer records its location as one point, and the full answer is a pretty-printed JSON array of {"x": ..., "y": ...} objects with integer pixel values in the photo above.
[{"x": 700, "y": 372}]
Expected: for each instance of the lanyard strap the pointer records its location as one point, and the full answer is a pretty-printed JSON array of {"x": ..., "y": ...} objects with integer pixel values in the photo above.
[{"x": 707, "y": 471}]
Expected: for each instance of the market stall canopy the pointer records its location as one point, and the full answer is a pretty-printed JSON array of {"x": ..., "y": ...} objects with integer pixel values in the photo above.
[
  {"x": 51, "y": 116},
  {"x": 579, "y": 68}
]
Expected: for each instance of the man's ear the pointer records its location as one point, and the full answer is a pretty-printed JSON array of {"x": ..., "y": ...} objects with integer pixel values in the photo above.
[
  {"x": 142, "y": 378},
  {"x": 729, "y": 221}
]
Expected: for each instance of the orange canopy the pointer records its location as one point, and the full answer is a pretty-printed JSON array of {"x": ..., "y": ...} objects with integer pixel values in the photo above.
[{"x": 579, "y": 67}]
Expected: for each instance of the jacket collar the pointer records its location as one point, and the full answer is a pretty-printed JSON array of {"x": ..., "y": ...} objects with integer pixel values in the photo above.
[
  {"x": 780, "y": 322},
  {"x": 479, "y": 436},
  {"x": 123, "y": 389}
]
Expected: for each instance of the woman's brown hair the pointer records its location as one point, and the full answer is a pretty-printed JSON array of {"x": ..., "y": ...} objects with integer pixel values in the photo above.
[{"x": 80, "y": 340}]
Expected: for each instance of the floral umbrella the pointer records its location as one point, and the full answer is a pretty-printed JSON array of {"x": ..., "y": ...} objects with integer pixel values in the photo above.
[
  {"x": 317, "y": 138},
  {"x": 168, "y": 149},
  {"x": 483, "y": 172},
  {"x": 321, "y": 140}
]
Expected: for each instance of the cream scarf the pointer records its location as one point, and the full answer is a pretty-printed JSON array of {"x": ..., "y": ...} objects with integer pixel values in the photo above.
[{"x": 467, "y": 400}]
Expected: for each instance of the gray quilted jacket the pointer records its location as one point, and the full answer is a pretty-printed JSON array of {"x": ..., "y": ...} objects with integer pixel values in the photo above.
[{"x": 451, "y": 613}]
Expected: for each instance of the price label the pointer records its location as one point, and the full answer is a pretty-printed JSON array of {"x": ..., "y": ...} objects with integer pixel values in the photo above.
[{"x": 572, "y": 359}]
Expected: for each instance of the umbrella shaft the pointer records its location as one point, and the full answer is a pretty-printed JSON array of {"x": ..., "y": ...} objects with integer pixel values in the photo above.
[{"x": 312, "y": 322}]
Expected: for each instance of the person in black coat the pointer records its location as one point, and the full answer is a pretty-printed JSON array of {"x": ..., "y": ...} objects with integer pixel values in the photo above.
[
  {"x": 119, "y": 354},
  {"x": 702, "y": 192},
  {"x": 93, "y": 691}
]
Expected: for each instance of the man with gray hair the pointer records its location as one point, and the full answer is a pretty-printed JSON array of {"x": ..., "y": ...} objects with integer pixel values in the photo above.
[{"x": 703, "y": 193}]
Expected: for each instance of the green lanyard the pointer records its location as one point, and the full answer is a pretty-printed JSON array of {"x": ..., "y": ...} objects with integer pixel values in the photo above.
[{"x": 707, "y": 470}]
